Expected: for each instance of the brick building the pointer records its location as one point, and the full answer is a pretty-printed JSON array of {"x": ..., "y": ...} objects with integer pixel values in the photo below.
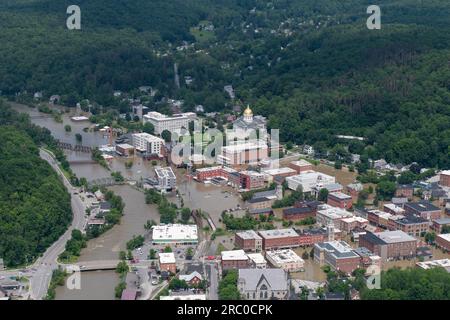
[
  {"x": 279, "y": 239},
  {"x": 411, "y": 225},
  {"x": 339, "y": 255},
  {"x": 167, "y": 262},
  {"x": 248, "y": 240},
  {"x": 404, "y": 191},
  {"x": 444, "y": 179},
  {"x": 235, "y": 259},
  {"x": 340, "y": 200},
  {"x": 354, "y": 189},
  {"x": 309, "y": 237},
  {"x": 438, "y": 224},
  {"x": 389, "y": 244},
  {"x": 424, "y": 209},
  {"x": 301, "y": 166},
  {"x": 443, "y": 241},
  {"x": 301, "y": 210},
  {"x": 250, "y": 180}
]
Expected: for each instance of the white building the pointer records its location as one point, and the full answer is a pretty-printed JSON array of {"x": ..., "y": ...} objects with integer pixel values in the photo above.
[
  {"x": 175, "y": 234},
  {"x": 308, "y": 180},
  {"x": 285, "y": 259},
  {"x": 147, "y": 143},
  {"x": 178, "y": 296},
  {"x": 327, "y": 215},
  {"x": 244, "y": 153},
  {"x": 162, "y": 122},
  {"x": 166, "y": 178},
  {"x": 257, "y": 260}
]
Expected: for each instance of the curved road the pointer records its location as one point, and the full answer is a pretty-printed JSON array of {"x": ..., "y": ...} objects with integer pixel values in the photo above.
[{"x": 43, "y": 267}]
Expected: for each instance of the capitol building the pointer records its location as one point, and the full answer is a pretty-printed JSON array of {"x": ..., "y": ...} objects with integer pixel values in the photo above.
[{"x": 249, "y": 124}]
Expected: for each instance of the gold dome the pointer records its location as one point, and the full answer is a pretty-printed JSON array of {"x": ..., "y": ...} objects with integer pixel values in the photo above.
[{"x": 248, "y": 112}]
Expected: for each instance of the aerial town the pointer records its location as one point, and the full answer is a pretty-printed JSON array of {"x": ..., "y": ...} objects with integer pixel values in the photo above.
[
  {"x": 245, "y": 227},
  {"x": 239, "y": 150}
]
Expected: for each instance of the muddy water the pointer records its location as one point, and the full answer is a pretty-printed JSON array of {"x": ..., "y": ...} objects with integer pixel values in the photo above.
[{"x": 100, "y": 285}]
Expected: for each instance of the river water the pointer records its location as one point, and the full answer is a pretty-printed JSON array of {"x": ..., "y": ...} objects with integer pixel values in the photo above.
[{"x": 100, "y": 284}]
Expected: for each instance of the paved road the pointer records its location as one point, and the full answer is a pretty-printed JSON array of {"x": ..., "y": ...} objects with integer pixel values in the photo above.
[
  {"x": 45, "y": 265},
  {"x": 213, "y": 281}
]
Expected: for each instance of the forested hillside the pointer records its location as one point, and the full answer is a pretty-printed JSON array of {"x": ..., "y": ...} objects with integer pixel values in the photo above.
[
  {"x": 34, "y": 205},
  {"x": 311, "y": 66}
]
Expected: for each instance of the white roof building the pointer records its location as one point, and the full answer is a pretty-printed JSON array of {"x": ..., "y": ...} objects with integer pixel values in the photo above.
[
  {"x": 257, "y": 260},
  {"x": 162, "y": 122},
  {"x": 234, "y": 255},
  {"x": 308, "y": 180},
  {"x": 327, "y": 214},
  {"x": 167, "y": 257},
  {"x": 175, "y": 234},
  {"x": 443, "y": 263},
  {"x": 286, "y": 259}
]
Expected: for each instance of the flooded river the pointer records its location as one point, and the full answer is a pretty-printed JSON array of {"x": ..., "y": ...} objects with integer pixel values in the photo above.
[{"x": 100, "y": 285}]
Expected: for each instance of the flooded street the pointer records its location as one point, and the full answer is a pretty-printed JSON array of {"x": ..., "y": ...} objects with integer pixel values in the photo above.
[{"x": 100, "y": 284}]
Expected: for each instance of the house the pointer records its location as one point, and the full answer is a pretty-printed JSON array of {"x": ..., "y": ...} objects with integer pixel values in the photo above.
[
  {"x": 167, "y": 262},
  {"x": 55, "y": 99},
  {"x": 444, "y": 178},
  {"x": 192, "y": 279},
  {"x": 354, "y": 189},
  {"x": 263, "y": 284}
]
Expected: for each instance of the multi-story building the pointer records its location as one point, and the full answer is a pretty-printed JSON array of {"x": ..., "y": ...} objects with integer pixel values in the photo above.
[
  {"x": 241, "y": 153},
  {"x": 339, "y": 255},
  {"x": 146, "y": 143},
  {"x": 166, "y": 178},
  {"x": 175, "y": 234},
  {"x": 404, "y": 191},
  {"x": 285, "y": 259},
  {"x": 327, "y": 215},
  {"x": 308, "y": 180},
  {"x": 393, "y": 209},
  {"x": 379, "y": 218},
  {"x": 248, "y": 240},
  {"x": 424, "y": 209},
  {"x": 301, "y": 166},
  {"x": 309, "y": 237},
  {"x": 235, "y": 259},
  {"x": 412, "y": 225},
  {"x": 347, "y": 225},
  {"x": 438, "y": 224},
  {"x": 354, "y": 189},
  {"x": 252, "y": 180},
  {"x": 162, "y": 122},
  {"x": 263, "y": 284},
  {"x": 203, "y": 174},
  {"x": 276, "y": 174},
  {"x": 279, "y": 239},
  {"x": 443, "y": 241},
  {"x": 389, "y": 244},
  {"x": 340, "y": 200},
  {"x": 167, "y": 262},
  {"x": 124, "y": 149},
  {"x": 257, "y": 261},
  {"x": 444, "y": 179},
  {"x": 301, "y": 211}
]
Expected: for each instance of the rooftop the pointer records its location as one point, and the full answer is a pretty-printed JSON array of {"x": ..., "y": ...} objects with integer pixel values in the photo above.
[
  {"x": 283, "y": 256},
  {"x": 442, "y": 221},
  {"x": 278, "y": 233},
  {"x": 340, "y": 196},
  {"x": 394, "y": 236},
  {"x": 276, "y": 278},
  {"x": 301, "y": 163},
  {"x": 278, "y": 171},
  {"x": 445, "y": 236},
  {"x": 249, "y": 234},
  {"x": 339, "y": 249},
  {"x": 443, "y": 263},
  {"x": 166, "y": 172},
  {"x": 167, "y": 257},
  {"x": 175, "y": 232},
  {"x": 422, "y": 206},
  {"x": 257, "y": 258},
  {"x": 234, "y": 255}
]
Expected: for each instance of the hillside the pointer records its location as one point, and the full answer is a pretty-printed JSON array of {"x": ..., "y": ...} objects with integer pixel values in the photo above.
[
  {"x": 34, "y": 205},
  {"x": 311, "y": 67}
]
